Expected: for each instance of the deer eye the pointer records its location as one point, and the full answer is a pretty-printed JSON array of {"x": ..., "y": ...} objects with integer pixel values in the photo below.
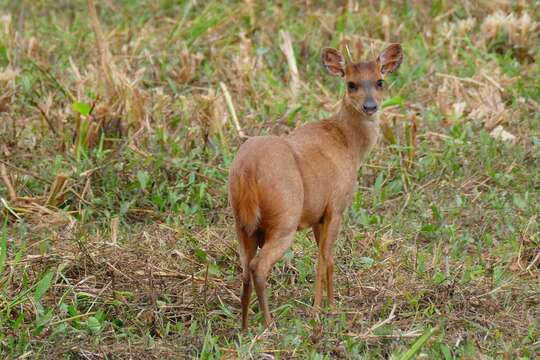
[
  {"x": 351, "y": 86},
  {"x": 380, "y": 83}
]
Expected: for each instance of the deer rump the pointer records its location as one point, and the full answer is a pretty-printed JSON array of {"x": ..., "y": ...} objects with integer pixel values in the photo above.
[{"x": 266, "y": 187}]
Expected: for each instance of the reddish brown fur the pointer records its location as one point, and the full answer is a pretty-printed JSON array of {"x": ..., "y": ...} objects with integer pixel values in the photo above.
[
  {"x": 279, "y": 185},
  {"x": 246, "y": 203}
]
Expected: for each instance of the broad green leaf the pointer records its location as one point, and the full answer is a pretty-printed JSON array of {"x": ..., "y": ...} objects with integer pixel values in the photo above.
[
  {"x": 417, "y": 345},
  {"x": 204, "y": 22},
  {"x": 143, "y": 178},
  {"x": 18, "y": 321},
  {"x": 43, "y": 285},
  {"x": 446, "y": 352},
  {"x": 82, "y": 108},
  {"x": 201, "y": 255},
  {"x": 93, "y": 324},
  {"x": 396, "y": 100},
  {"x": 341, "y": 22},
  {"x": 429, "y": 228},
  {"x": 72, "y": 310},
  {"x": 366, "y": 260},
  {"x": 520, "y": 202},
  {"x": 44, "y": 319},
  {"x": 214, "y": 270},
  {"x": 439, "y": 278}
]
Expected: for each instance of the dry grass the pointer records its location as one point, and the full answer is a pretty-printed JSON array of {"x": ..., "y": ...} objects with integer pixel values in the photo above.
[{"x": 117, "y": 127}]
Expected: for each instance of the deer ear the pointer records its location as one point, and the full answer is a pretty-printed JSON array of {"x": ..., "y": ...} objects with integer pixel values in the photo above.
[
  {"x": 333, "y": 61},
  {"x": 390, "y": 59}
]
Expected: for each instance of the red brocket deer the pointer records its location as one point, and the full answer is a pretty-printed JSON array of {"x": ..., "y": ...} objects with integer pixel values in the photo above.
[{"x": 278, "y": 185}]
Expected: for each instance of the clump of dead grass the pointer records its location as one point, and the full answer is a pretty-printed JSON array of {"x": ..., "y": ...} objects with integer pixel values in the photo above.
[
  {"x": 188, "y": 66},
  {"x": 209, "y": 113},
  {"x": 521, "y": 32}
]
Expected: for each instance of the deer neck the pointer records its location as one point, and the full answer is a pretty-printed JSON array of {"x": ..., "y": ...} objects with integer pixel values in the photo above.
[{"x": 361, "y": 131}]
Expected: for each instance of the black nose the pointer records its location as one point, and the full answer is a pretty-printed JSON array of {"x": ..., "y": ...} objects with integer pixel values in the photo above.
[{"x": 370, "y": 107}]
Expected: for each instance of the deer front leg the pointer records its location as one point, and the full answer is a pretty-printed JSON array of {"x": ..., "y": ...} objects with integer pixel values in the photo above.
[
  {"x": 318, "y": 231},
  {"x": 325, "y": 234}
]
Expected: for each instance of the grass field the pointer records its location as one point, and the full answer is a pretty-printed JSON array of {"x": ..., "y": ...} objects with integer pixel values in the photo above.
[{"x": 117, "y": 131}]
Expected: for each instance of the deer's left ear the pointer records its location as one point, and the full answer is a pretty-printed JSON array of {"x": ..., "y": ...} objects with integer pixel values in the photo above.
[{"x": 390, "y": 59}]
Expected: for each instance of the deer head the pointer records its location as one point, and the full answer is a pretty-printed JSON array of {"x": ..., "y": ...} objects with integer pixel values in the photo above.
[{"x": 364, "y": 80}]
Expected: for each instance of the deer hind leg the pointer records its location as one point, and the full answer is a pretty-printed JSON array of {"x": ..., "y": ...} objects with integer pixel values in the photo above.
[
  {"x": 248, "y": 249},
  {"x": 276, "y": 243}
]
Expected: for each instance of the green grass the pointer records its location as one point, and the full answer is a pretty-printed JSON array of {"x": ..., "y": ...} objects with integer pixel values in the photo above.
[{"x": 136, "y": 254}]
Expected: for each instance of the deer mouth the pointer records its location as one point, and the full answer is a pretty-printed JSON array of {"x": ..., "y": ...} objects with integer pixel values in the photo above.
[{"x": 370, "y": 112}]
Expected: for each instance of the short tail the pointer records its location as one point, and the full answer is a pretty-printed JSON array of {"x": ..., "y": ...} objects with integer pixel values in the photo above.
[{"x": 245, "y": 202}]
